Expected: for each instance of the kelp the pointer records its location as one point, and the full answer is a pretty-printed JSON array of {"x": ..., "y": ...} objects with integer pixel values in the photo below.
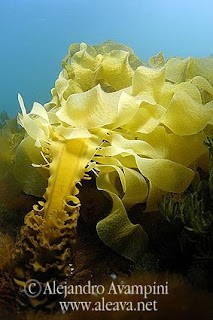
[
  {"x": 137, "y": 128},
  {"x": 10, "y": 189},
  {"x": 10, "y": 137},
  {"x": 32, "y": 180}
]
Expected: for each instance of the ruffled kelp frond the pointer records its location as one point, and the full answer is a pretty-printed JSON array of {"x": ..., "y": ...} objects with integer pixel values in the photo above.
[
  {"x": 181, "y": 70},
  {"x": 145, "y": 127},
  {"x": 110, "y": 64},
  {"x": 139, "y": 129}
]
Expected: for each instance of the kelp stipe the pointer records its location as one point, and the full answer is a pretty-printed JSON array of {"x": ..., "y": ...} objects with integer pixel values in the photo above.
[{"x": 47, "y": 237}]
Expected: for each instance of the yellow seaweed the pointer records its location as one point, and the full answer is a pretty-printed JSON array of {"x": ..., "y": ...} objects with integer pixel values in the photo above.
[{"x": 132, "y": 126}]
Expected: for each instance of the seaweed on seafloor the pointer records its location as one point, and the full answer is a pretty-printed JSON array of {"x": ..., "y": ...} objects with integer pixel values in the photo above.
[
  {"x": 7, "y": 289},
  {"x": 7, "y": 245},
  {"x": 191, "y": 217}
]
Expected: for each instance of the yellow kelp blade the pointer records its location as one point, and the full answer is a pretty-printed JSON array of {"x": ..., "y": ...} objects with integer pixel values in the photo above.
[
  {"x": 33, "y": 180},
  {"x": 120, "y": 234}
]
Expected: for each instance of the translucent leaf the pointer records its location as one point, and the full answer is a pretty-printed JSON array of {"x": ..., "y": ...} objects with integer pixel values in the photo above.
[
  {"x": 201, "y": 67},
  {"x": 189, "y": 88},
  {"x": 32, "y": 180},
  {"x": 86, "y": 78},
  {"x": 146, "y": 119},
  {"x": 205, "y": 88},
  {"x": 138, "y": 146},
  {"x": 107, "y": 165},
  {"x": 106, "y": 47},
  {"x": 136, "y": 188},
  {"x": 117, "y": 232},
  {"x": 127, "y": 108},
  {"x": 32, "y": 128},
  {"x": 116, "y": 69},
  {"x": 40, "y": 111},
  {"x": 165, "y": 174},
  {"x": 176, "y": 69},
  {"x": 91, "y": 109},
  {"x": 182, "y": 149},
  {"x": 157, "y": 61},
  {"x": 108, "y": 180},
  {"x": 186, "y": 116},
  {"x": 155, "y": 196},
  {"x": 61, "y": 85},
  {"x": 148, "y": 82},
  {"x": 72, "y": 133},
  {"x": 179, "y": 69}
]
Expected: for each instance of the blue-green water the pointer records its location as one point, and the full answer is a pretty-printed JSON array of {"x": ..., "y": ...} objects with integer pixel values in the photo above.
[{"x": 35, "y": 35}]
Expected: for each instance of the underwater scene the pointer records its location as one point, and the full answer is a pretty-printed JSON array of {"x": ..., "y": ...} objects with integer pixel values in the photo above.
[{"x": 106, "y": 160}]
